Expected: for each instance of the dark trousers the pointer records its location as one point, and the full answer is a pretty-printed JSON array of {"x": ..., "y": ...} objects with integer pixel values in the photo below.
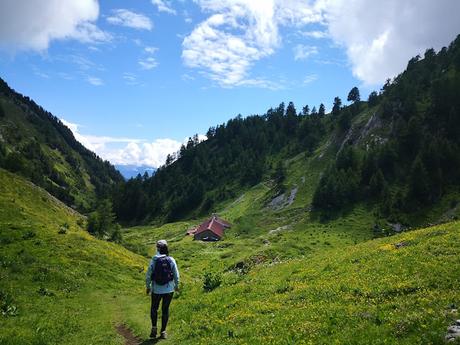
[{"x": 156, "y": 298}]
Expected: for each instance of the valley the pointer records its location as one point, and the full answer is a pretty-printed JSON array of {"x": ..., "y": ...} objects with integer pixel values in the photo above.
[{"x": 344, "y": 224}]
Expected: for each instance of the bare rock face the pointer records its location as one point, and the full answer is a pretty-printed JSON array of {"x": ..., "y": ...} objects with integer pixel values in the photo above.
[
  {"x": 283, "y": 200},
  {"x": 279, "y": 229},
  {"x": 453, "y": 332}
]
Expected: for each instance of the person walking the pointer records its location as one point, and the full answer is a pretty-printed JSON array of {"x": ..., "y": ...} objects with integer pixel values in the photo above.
[{"x": 161, "y": 281}]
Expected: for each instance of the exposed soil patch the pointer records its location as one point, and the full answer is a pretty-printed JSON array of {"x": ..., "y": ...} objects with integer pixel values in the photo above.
[{"x": 130, "y": 338}]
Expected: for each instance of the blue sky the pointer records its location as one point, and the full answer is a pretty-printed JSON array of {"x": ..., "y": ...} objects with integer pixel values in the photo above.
[{"x": 133, "y": 79}]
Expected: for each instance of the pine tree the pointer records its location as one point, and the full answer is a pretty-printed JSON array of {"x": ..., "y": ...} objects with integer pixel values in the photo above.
[
  {"x": 306, "y": 110},
  {"x": 344, "y": 122},
  {"x": 419, "y": 183},
  {"x": 290, "y": 110},
  {"x": 337, "y": 106},
  {"x": 322, "y": 110},
  {"x": 279, "y": 174},
  {"x": 353, "y": 95},
  {"x": 377, "y": 184},
  {"x": 373, "y": 99}
]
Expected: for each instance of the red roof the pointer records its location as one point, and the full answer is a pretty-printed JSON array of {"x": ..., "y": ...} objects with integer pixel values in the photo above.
[
  {"x": 214, "y": 224},
  {"x": 221, "y": 221},
  {"x": 192, "y": 231}
]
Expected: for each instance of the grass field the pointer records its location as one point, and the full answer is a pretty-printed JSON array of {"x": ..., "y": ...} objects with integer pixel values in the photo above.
[
  {"x": 394, "y": 290},
  {"x": 285, "y": 277},
  {"x": 58, "y": 285}
]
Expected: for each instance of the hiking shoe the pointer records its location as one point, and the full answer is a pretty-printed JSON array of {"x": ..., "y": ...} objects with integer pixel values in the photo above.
[
  {"x": 163, "y": 335},
  {"x": 153, "y": 333}
]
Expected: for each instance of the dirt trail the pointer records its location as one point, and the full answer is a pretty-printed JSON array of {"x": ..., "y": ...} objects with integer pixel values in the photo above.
[{"x": 130, "y": 338}]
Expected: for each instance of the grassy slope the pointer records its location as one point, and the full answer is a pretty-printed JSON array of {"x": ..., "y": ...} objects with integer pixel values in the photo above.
[
  {"x": 307, "y": 282},
  {"x": 68, "y": 288},
  {"x": 17, "y": 127},
  {"x": 369, "y": 293},
  {"x": 251, "y": 241},
  {"x": 311, "y": 282}
]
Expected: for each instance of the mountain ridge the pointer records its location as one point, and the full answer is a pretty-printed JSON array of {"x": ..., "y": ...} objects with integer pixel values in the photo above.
[
  {"x": 373, "y": 150},
  {"x": 36, "y": 144},
  {"x": 133, "y": 170}
]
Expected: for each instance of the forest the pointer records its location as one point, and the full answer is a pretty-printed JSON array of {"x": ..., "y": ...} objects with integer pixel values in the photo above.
[{"x": 412, "y": 164}]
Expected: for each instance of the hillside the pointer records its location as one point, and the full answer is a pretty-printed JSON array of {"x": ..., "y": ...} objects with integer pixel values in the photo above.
[
  {"x": 58, "y": 284},
  {"x": 396, "y": 290},
  {"x": 397, "y": 152},
  {"x": 38, "y": 146},
  {"x": 309, "y": 284}
]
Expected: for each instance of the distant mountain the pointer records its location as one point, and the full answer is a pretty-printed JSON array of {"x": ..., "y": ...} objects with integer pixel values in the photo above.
[
  {"x": 131, "y": 170},
  {"x": 37, "y": 145}
]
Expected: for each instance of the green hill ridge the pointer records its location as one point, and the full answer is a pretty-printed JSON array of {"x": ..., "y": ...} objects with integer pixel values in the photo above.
[
  {"x": 58, "y": 285},
  {"x": 397, "y": 151},
  {"x": 37, "y": 145}
]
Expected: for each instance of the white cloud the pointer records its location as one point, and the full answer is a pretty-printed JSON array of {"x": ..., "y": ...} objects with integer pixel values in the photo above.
[
  {"x": 310, "y": 79},
  {"x": 90, "y": 33},
  {"x": 314, "y": 34},
  {"x": 130, "y": 19},
  {"x": 130, "y": 78},
  {"x": 94, "y": 143},
  {"x": 303, "y": 52},
  {"x": 132, "y": 151},
  {"x": 148, "y": 63},
  {"x": 152, "y": 154},
  {"x": 150, "y": 50},
  {"x": 65, "y": 76},
  {"x": 40, "y": 73},
  {"x": 380, "y": 37},
  {"x": 164, "y": 6},
  {"x": 94, "y": 81},
  {"x": 32, "y": 25},
  {"x": 187, "y": 17},
  {"x": 239, "y": 33}
]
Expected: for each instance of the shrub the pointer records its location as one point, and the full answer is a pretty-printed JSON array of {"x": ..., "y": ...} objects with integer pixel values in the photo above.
[
  {"x": 211, "y": 281},
  {"x": 28, "y": 235},
  {"x": 116, "y": 234},
  {"x": 7, "y": 308}
]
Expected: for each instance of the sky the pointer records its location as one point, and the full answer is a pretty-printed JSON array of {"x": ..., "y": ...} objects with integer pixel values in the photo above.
[{"x": 134, "y": 79}]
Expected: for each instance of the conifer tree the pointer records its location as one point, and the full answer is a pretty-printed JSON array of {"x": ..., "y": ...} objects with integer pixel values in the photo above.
[
  {"x": 419, "y": 184},
  {"x": 353, "y": 95},
  {"x": 322, "y": 110},
  {"x": 337, "y": 106},
  {"x": 306, "y": 110},
  {"x": 373, "y": 99}
]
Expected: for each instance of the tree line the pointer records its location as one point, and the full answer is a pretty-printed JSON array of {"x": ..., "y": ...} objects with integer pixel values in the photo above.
[{"x": 417, "y": 159}]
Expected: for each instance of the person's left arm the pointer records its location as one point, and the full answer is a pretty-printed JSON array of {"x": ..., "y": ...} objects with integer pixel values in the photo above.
[{"x": 176, "y": 274}]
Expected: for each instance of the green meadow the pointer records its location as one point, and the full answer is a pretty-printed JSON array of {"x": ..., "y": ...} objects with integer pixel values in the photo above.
[
  {"x": 278, "y": 277},
  {"x": 58, "y": 284},
  {"x": 394, "y": 290}
]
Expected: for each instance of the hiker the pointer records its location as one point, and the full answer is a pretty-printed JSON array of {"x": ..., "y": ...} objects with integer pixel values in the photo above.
[{"x": 162, "y": 280}]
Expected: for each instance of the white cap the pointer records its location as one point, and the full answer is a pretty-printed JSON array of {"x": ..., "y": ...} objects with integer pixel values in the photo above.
[{"x": 162, "y": 243}]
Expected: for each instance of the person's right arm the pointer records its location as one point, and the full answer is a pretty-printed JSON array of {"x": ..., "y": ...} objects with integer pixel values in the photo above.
[{"x": 148, "y": 277}]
